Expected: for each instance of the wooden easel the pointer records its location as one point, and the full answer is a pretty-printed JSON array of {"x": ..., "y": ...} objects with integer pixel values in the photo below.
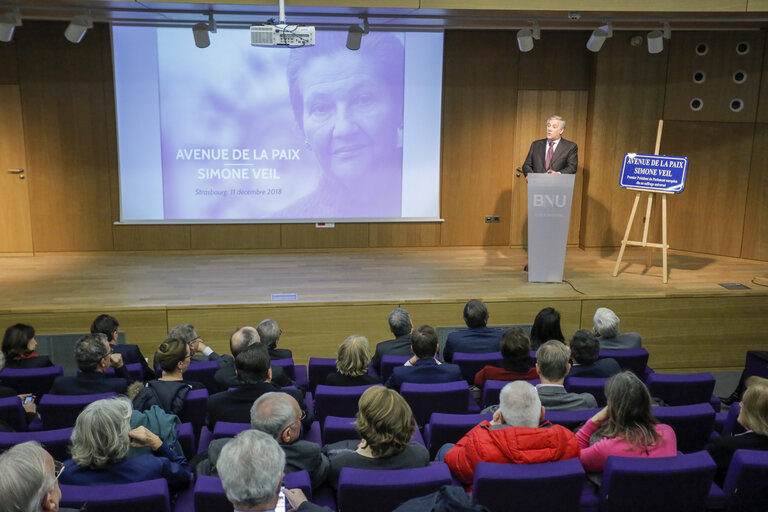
[{"x": 647, "y": 221}]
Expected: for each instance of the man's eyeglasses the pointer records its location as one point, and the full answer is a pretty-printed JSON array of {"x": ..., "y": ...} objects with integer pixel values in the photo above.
[{"x": 58, "y": 469}]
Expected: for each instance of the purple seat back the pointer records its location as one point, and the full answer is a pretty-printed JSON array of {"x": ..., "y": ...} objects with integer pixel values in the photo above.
[
  {"x": 633, "y": 359},
  {"x": 424, "y": 399},
  {"x": 693, "y": 424},
  {"x": 55, "y": 441},
  {"x": 679, "y": 484},
  {"x": 368, "y": 490},
  {"x": 337, "y": 401},
  {"x": 149, "y": 496},
  {"x": 388, "y": 364},
  {"x": 449, "y": 428},
  {"x": 195, "y": 408},
  {"x": 570, "y": 419},
  {"x": 12, "y": 412},
  {"x": 592, "y": 385},
  {"x": 745, "y": 485},
  {"x": 227, "y": 429},
  {"x": 134, "y": 370},
  {"x": 185, "y": 433},
  {"x": 492, "y": 389},
  {"x": 531, "y": 485},
  {"x": 209, "y": 495},
  {"x": 203, "y": 372},
  {"x": 470, "y": 364},
  {"x": 287, "y": 365},
  {"x": 730, "y": 425},
  {"x": 319, "y": 368},
  {"x": 33, "y": 380},
  {"x": 681, "y": 389},
  {"x": 343, "y": 429},
  {"x": 61, "y": 411}
]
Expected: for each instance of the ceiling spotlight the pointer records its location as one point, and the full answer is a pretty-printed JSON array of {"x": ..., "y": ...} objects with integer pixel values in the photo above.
[
  {"x": 525, "y": 40},
  {"x": 355, "y": 34},
  {"x": 78, "y": 27},
  {"x": 655, "y": 42},
  {"x": 201, "y": 30},
  {"x": 596, "y": 40},
  {"x": 8, "y": 23}
]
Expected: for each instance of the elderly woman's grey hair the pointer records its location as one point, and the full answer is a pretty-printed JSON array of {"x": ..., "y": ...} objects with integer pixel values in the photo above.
[
  {"x": 100, "y": 436},
  {"x": 606, "y": 323},
  {"x": 272, "y": 413},
  {"x": 520, "y": 404},
  {"x": 251, "y": 469},
  {"x": 26, "y": 479},
  {"x": 89, "y": 350},
  {"x": 185, "y": 332}
]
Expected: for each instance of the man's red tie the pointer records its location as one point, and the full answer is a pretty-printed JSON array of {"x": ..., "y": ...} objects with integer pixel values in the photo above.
[{"x": 549, "y": 155}]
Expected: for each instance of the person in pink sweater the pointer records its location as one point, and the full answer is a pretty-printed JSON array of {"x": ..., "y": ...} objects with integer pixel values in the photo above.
[{"x": 625, "y": 427}]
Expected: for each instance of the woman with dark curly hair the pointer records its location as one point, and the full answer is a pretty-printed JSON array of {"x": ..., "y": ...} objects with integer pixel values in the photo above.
[{"x": 385, "y": 424}]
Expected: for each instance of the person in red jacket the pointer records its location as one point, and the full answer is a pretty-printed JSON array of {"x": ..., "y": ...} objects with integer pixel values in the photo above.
[{"x": 513, "y": 436}]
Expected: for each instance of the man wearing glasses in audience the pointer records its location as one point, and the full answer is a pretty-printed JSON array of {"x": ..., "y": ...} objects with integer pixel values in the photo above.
[
  {"x": 94, "y": 357},
  {"x": 29, "y": 479}
]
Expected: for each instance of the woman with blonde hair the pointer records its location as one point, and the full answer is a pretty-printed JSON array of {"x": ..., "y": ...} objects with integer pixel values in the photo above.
[
  {"x": 624, "y": 427},
  {"x": 352, "y": 360},
  {"x": 385, "y": 424},
  {"x": 754, "y": 418}
]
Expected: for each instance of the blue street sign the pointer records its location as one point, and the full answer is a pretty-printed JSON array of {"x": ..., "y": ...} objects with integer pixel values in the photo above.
[{"x": 654, "y": 173}]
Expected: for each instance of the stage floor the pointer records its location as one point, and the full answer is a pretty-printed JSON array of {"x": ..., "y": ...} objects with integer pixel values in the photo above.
[{"x": 49, "y": 282}]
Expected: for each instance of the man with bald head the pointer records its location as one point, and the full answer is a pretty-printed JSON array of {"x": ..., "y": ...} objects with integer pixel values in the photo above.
[
  {"x": 241, "y": 338},
  {"x": 279, "y": 415}
]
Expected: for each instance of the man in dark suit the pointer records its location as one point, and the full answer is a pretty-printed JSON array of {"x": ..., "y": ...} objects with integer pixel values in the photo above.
[
  {"x": 107, "y": 325},
  {"x": 252, "y": 367},
  {"x": 400, "y": 325},
  {"x": 478, "y": 338},
  {"x": 423, "y": 368},
  {"x": 94, "y": 357},
  {"x": 199, "y": 350},
  {"x": 239, "y": 340},
  {"x": 553, "y": 155},
  {"x": 269, "y": 333}
]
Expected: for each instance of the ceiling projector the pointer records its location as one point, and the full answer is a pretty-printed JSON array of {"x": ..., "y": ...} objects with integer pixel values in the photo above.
[{"x": 281, "y": 34}]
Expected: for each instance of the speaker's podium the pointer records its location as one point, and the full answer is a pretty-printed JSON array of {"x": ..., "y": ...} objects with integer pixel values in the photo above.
[{"x": 549, "y": 215}]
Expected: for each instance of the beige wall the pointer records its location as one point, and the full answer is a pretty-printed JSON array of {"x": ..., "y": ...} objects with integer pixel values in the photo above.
[{"x": 495, "y": 101}]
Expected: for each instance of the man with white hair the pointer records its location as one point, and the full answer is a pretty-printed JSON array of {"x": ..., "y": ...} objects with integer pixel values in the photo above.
[
  {"x": 251, "y": 471},
  {"x": 29, "y": 480},
  {"x": 512, "y": 436},
  {"x": 270, "y": 333},
  {"x": 606, "y": 325}
]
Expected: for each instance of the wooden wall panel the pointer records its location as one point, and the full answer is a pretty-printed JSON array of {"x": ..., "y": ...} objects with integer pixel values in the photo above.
[
  {"x": 627, "y": 101},
  {"x": 409, "y": 234},
  {"x": 151, "y": 237},
  {"x": 479, "y": 95},
  {"x": 235, "y": 236},
  {"x": 755, "y": 243},
  {"x": 691, "y": 332},
  {"x": 65, "y": 127},
  {"x": 307, "y": 236},
  {"x": 719, "y": 65},
  {"x": 533, "y": 109},
  {"x": 10, "y": 70},
  {"x": 558, "y": 61},
  {"x": 762, "y": 101},
  {"x": 709, "y": 215}
]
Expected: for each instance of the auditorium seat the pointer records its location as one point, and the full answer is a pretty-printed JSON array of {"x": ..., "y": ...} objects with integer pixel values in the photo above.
[
  {"x": 209, "y": 495},
  {"x": 424, "y": 399},
  {"x": 449, "y": 428},
  {"x": 148, "y": 496},
  {"x": 745, "y": 485},
  {"x": 55, "y": 441},
  {"x": 388, "y": 364},
  {"x": 592, "y": 385},
  {"x": 343, "y": 429},
  {"x": 61, "y": 411},
  {"x": 318, "y": 369},
  {"x": 571, "y": 420},
  {"x": 34, "y": 380},
  {"x": 470, "y": 364},
  {"x": 682, "y": 389},
  {"x": 12, "y": 412},
  {"x": 195, "y": 409},
  {"x": 337, "y": 401},
  {"x": 203, "y": 372},
  {"x": 632, "y": 359},
  {"x": 492, "y": 389},
  {"x": 693, "y": 424}
]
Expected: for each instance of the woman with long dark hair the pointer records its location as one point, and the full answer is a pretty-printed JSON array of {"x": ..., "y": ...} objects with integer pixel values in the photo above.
[
  {"x": 546, "y": 327},
  {"x": 19, "y": 348}
]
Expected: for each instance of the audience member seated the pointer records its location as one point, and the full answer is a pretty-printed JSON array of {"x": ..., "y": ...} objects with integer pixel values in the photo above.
[
  {"x": 625, "y": 427},
  {"x": 252, "y": 367},
  {"x": 200, "y": 351},
  {"x": 251, "y": 470},
  {"x": 19, "y": 348},
  {"x": 754, "y": 418},
  {"x": 30, "y": 479},
  {"x": 385, "y": 424},
  {"x": 169, "y": 391},
  {"x": 352, "y": 364},
  {"x": 606, "y": 325},
  {"x": 100, "y": 442},
  {"x": 240, "y": 339},
  {"x": 546, "y": 326},
  {"x": 107, "y": 325},
  {"x": 401, "y": 326},
  {"x": 279, "y": 415},
  {"x": 6, "y": 392},
  {"x": 512, "y": 436},
  {"x": 270, "y": 333},
  {"x": 585, "y": 349},
  {"x": 477, "y": 338},
  {"x": 94, "y": 356},
  {"x": 423, "y": 367},
  {"x": 517, "y": 365}
]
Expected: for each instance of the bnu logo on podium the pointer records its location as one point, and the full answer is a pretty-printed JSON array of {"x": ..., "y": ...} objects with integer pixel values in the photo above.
[{"x": 553, "y": 200}]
